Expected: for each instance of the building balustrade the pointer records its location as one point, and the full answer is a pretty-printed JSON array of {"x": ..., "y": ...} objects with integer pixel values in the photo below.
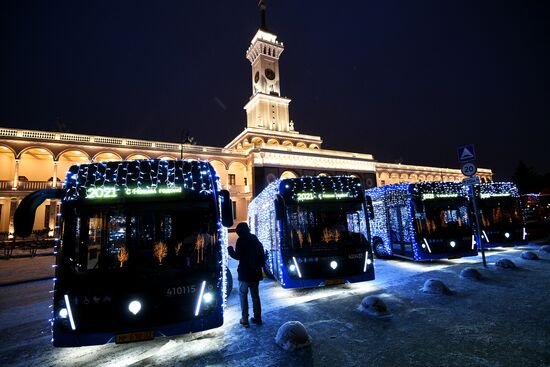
[
  {"x": 238, "y": 189},
  {"x": 28, "y": 185}
]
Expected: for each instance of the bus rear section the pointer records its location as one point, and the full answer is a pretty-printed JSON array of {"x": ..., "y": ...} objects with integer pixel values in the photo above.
[
  {"x": 500, "y": 215},
  {"x": 314, "y": 230},
  {"x": 142, "y": 252},
  {"x": 422, "y": 221}
]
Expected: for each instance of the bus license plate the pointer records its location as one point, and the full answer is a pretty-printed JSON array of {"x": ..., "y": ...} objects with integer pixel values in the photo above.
[
  {"x": 134, "y": 337},
  {"x": 334, "y": 281}
]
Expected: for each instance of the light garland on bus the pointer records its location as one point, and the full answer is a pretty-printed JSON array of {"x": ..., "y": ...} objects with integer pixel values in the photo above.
[
  {"x": 299, "y": 191},
  {"x": 398, "y": 195},
  {"x": 104, "y": 180}
]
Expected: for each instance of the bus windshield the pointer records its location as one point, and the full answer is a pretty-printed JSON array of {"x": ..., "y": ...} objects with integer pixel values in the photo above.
[
  {"x": 327, "y": 226},
  {"x": 443, "y": 218},
  {"x": 499, "y": 212},
  {"x": 157, "y": 237}
]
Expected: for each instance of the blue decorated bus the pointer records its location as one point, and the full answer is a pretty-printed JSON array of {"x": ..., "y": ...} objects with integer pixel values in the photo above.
[
  {"x": 500, "y": 215},
  {"x": 422, "y": 221},
  {"x": 314, "y": 231},
  {"x": 142, "y": 251}
]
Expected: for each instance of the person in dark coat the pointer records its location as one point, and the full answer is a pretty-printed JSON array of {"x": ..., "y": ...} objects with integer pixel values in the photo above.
[{"x": 250, "y": 253}]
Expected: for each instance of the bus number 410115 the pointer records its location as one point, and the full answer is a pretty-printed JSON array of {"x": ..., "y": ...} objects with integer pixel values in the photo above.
[{"x": 178, "y": 291}]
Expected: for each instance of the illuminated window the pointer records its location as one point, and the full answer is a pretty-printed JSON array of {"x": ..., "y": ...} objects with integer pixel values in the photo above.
[{"x": 231, "y": 179}]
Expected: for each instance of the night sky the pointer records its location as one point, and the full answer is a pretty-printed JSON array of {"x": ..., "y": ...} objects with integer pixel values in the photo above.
[{"x": 408, "y": 81}]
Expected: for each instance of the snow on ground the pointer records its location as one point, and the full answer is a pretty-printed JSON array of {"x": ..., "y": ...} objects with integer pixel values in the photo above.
[{"x": 501, "y": 320}]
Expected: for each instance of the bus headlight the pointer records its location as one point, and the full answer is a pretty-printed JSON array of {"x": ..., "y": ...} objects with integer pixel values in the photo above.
[
  {"x": 208, "y": 297},
  {"x": 507, "y": 235},
  {"x": 452, "y": 243},
  {"x": 134, "y": 307},
  {"x": 333, "y": 264},
  {"x": 63, "y": 313}
]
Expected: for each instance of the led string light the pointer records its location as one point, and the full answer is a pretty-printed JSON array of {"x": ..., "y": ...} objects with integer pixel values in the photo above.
[
  {"x": 189, "y": 175},
  {"x": 399, "y": 196},
  {"x": 141, "y": 174},
  {"x": 489, "y": 196},
  {"x": 261, "y": 215}
]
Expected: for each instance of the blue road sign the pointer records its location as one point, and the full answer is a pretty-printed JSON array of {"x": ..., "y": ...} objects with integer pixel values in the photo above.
[{"x": 466, "y": 153}]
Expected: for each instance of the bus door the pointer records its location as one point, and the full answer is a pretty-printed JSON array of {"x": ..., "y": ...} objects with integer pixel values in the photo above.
[{"x": 399, "y": 227}]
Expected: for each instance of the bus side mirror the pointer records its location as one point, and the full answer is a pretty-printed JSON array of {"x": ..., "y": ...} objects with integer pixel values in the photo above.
[
  {"x": 227, "y": 209},
  {"x": 370, "y": 208},
  {"x": 23, "y": 219},
  {"x": 279, "y": 207}
]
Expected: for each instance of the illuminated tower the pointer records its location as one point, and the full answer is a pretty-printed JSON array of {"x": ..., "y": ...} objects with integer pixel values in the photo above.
[{"x": 266, "y": 108}]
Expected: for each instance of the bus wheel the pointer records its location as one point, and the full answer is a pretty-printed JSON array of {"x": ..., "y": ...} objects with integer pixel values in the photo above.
[
  {"x": 229, "y": 282},
  {"x": 380, "y": 249}
]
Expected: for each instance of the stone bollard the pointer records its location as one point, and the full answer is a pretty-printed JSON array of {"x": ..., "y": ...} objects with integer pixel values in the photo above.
[
  {"x": 292, "y": 335},
  {"x": 435, "y": 286},
  {"x": 470, "y": 273},
  {"x": 529, "y": 255},
  {"x": 505, "y": 264},
  {"x": 374, "y": 306}
]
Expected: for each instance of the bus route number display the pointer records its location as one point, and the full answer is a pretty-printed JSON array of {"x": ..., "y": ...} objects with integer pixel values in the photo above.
[
  {"x": 309, "y": 196},
  {"x": 107, "y": 192}
]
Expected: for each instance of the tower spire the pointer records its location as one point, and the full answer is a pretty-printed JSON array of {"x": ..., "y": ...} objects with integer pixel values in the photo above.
[{"x": 261, "y": 5}]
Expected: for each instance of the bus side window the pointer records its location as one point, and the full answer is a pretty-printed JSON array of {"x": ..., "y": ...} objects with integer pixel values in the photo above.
[{"x": 91, "y": 245}]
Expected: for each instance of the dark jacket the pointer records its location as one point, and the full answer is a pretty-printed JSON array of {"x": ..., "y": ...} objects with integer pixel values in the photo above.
[{"x": 250, "y": 253}]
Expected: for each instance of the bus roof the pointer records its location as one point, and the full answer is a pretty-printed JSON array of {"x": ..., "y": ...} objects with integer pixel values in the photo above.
[
  {"x": 498, "y": 189},
  {"x": 139, "y": 177},
  {"x": 418, "y": 188},
  {"x": 311, "y": 189}
]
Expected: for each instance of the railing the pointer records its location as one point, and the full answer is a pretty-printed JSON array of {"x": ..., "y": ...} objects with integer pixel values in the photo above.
[
  {"x": 238, "y": 189},
  {"x": 6, "y": 185},
  {"x": 36, "y": 185},
  {"x": 79, "y": 138}
]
